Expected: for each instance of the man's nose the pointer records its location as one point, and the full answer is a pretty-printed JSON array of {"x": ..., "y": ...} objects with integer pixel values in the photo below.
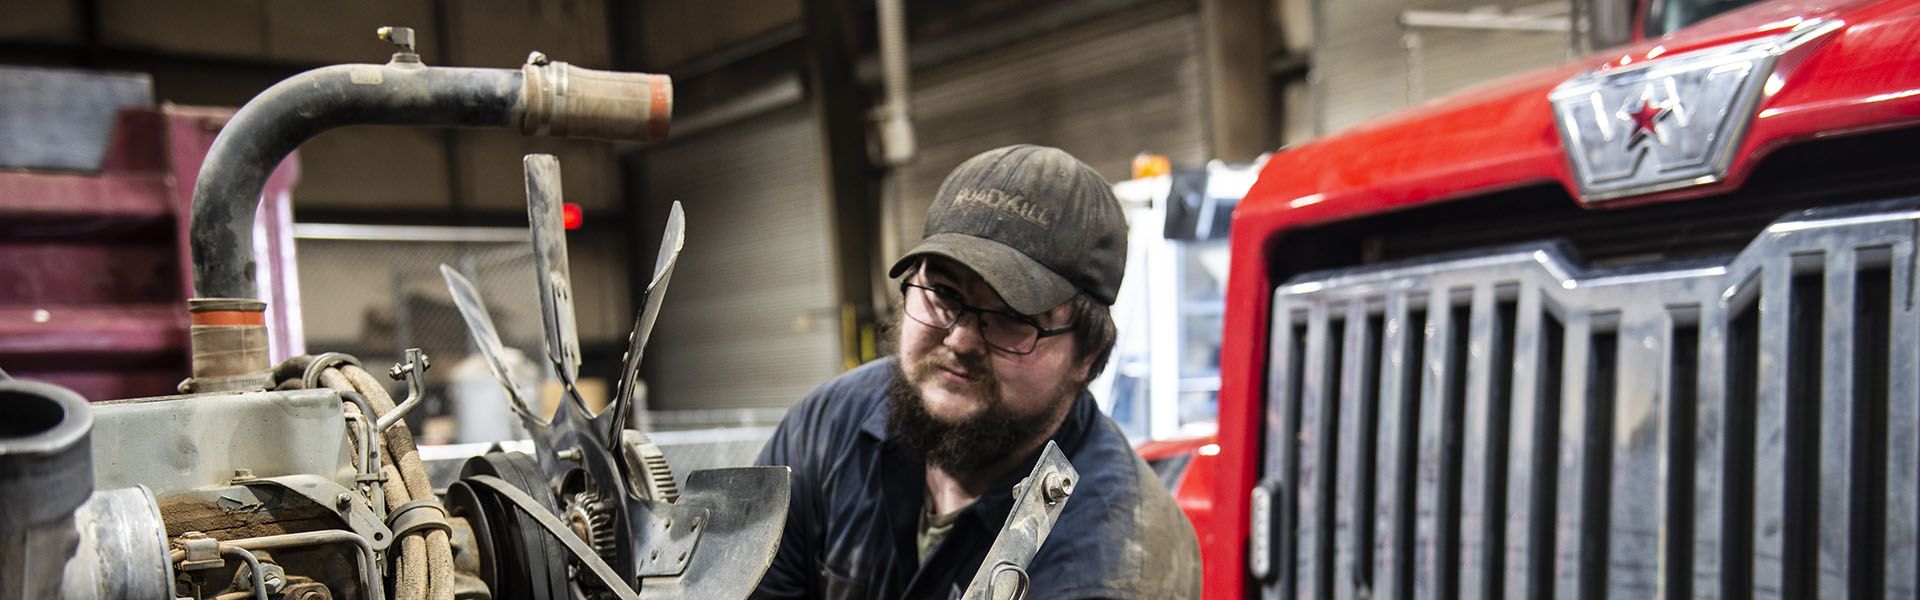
[{"x": 968, "y": 334}]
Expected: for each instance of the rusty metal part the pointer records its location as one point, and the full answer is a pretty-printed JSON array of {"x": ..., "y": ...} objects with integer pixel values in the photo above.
[
  {"x": 352, "y": 509},
  {"x": 592, "y": 519},
  {"x": 471, "y": 559},
  {"x": 307, "y": 590},
  {"x": 1038, "y": 501},
  {"x": 256, "y": 573},
  {"x": 370, "y": 580}
]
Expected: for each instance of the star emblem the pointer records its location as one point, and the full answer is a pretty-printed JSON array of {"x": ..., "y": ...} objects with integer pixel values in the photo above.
[{"x": 1646, "y": 121}]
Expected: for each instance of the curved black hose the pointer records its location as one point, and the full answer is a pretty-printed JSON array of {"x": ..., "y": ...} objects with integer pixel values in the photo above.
[{"x": 273, "y": 124}]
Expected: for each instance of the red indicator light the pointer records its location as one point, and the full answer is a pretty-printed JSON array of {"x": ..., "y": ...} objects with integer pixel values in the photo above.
[{"x": 570, "y": 215}]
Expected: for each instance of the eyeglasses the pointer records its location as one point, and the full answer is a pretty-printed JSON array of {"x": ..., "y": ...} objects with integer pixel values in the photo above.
[{"x": 1004, "y": 331}]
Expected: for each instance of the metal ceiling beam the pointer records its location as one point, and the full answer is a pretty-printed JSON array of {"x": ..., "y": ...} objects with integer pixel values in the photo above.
[{"x": 840, "y": 107}]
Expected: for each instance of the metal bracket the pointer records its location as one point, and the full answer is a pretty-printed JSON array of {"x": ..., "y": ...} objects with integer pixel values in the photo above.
[
  {"x": 419, "y": 514},
  {"x": 666, "y": 552},
  {"x": 1038, "y": 500},
  {"x": 200, "y": 552},
  {"x": 350, "y": 506},
  {"x": 414, "y": 372}
]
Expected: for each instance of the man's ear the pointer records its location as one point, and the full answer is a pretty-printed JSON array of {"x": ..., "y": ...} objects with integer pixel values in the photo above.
[{"x": 1082, "y": 366}]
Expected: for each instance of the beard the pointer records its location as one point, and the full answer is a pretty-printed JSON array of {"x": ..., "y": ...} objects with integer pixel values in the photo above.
[{"x": 972, "y": 443}]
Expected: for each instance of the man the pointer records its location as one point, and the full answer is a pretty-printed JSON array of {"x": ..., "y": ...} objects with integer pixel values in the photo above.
[{"x": 903, "y": 469}]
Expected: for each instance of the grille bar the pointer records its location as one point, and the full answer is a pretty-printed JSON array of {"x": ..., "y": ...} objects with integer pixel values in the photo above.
[
  {"x": 1514, "y": 425},
  {"x": 1353, "y": 496},
  {"x": 1902, "y": 469}
]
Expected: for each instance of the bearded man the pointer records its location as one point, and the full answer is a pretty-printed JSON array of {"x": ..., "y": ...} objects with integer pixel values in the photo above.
[{"x": 903, "y": 469}]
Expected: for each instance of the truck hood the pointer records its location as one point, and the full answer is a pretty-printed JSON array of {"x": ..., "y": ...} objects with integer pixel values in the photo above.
[{"x": 1857, "y": 74}]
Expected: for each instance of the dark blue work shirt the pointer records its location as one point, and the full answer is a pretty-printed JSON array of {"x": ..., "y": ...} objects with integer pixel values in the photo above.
[{"x": 853, "y": 522}]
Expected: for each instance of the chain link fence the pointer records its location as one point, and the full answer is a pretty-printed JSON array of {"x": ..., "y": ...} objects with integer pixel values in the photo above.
[{"x": 374, "y": 291}]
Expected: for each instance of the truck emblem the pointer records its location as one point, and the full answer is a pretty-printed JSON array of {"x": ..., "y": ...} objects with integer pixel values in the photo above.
[
  {"x": 1646, "y": 122},
  {"x": 1669, "y": 123}
]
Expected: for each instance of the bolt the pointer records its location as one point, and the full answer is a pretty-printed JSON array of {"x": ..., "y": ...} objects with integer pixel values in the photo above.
[
  {"x": 538, "y": 58},
  {"x": 240, "y": 475},
  {"x": 1056, "y": 487},
  {"x": 344, "y": 501},
  {"x": 570, "y": 454},
  {"x": 398, "y": 36}
]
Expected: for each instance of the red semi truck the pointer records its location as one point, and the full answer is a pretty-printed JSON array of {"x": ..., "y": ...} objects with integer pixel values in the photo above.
[{"x": 1643, "y": 325}]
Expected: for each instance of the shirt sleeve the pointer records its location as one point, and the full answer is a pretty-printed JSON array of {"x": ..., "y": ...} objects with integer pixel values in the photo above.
[{"x": 795, "y": 444}]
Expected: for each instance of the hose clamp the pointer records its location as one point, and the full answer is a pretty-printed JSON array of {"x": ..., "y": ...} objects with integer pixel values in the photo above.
[
  {"x": 418, "y": 515},
  {"x": 546, "y": 91}
]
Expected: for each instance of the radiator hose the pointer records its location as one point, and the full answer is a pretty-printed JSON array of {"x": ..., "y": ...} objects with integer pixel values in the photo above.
[{"x": 542, "y": 97}]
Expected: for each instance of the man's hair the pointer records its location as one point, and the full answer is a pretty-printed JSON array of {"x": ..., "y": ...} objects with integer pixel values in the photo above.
[
  {"x": 1093, "y": 330},
  {"x": 1093, "y": 333}
]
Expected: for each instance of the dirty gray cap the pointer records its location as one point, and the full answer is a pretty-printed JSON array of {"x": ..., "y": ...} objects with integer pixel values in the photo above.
[{"x": 1036, "y": 223}]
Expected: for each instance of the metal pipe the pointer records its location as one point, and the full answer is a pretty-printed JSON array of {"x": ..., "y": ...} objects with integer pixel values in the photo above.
[
  {"x": 541, "y": 98},
  {"x": 253, "y": 563},
  {"x": 318, "y": 538},
  {"x": 895, "y": 124}
]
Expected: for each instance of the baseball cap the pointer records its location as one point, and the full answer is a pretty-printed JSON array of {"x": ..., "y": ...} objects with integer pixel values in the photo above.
[{"x": 1036, "y": 223}]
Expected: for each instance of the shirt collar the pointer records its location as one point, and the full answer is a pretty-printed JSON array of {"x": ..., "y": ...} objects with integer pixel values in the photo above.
[{"x": 992, "y": 508}]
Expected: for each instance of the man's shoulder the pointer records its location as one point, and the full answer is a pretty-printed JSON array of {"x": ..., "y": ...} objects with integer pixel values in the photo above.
[
  {"x": 836, "y": 410},
  {"x": 851, "y": 397},
  {"x": 1118, "y": 514}
]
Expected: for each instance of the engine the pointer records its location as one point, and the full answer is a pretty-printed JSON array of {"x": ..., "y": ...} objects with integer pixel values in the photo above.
[{"x": 302, "y": 481}]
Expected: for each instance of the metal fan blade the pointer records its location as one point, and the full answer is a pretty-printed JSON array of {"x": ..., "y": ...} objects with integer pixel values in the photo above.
[
  {"x": 720, "y": 536},
  {"x": 670, "y": 244},
  {"x": 486, "y": 336},
  {"x": 550, "y": 255}
]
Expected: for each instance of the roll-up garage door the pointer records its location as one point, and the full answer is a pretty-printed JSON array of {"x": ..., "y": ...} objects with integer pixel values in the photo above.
[
  {"x": 750, "y": 319},
  {"x": 1104, "y": 90}
]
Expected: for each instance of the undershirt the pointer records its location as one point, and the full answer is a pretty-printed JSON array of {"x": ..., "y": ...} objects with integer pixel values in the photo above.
[{"x": 933, "y": 528}]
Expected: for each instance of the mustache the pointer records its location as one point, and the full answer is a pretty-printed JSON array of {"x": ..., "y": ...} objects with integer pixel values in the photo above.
[{"x": 977, "y": 368}]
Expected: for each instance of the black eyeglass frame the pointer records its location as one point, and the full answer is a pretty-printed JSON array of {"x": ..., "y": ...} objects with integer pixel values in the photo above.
[{"x": 964, "y": 309}]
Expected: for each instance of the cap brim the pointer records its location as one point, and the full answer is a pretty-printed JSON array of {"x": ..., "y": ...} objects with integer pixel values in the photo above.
[{"x": 1027, "y": 286}]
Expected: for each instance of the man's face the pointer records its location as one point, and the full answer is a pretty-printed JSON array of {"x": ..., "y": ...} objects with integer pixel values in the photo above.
[{"x": 960, "y": 379}]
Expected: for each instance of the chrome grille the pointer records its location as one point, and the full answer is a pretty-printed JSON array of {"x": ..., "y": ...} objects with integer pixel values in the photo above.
[{"x": 1515, "y": 425}]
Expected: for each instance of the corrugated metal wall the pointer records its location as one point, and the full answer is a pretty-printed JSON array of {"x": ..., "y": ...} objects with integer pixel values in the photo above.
[
  {"x": 1369, "y": 69},
  {"x": 1104, "y": 91},
  {"x": 750, "y": 318}
]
